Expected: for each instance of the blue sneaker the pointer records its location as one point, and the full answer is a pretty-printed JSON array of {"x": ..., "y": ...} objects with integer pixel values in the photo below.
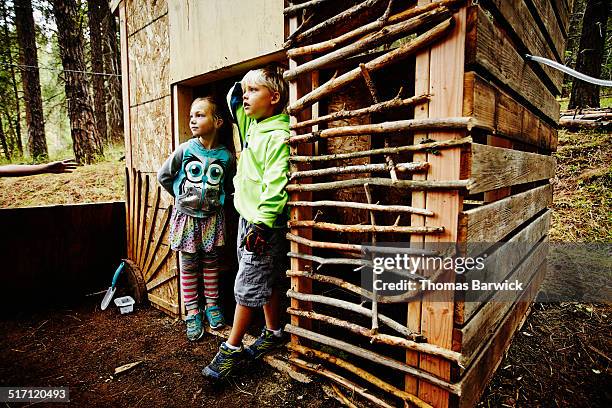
[
  {"x": 194, "y": 327},
  {"x": 224, "y": 362},
  {"x": 215, "y": 317},
  {"x": 267, "y": 341}
]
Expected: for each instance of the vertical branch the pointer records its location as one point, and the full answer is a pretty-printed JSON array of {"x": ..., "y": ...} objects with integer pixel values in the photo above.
[{"x": 368, "y": 193}]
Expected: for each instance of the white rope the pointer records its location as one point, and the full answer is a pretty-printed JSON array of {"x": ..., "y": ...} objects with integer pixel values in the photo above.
[{"x": 569, "y": 71}]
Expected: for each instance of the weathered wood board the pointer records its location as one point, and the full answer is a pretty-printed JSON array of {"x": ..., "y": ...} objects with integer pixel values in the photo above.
[
  {"x": 491, "y": 49},
  {"x": 490, "y": 168},
  {"x": 496, "y": 109},
  {"x": 490, "y": 223}
]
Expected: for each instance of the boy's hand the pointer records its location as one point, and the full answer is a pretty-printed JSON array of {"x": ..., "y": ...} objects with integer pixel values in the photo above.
[{"x": 256, "y": 238}]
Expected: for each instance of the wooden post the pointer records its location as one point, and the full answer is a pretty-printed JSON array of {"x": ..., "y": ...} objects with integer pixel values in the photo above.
[
  {"x": 444, "y": 68},
  {"x": 297, "y": 89}
]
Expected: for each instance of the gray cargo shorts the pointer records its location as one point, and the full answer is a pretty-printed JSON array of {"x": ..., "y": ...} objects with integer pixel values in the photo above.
[{"x": 258, "y": 274}]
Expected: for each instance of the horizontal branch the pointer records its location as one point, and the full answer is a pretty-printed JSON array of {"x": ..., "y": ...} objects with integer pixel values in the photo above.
[
  {"x": 393, "y": 56},
  {"x": 338, "y": 18},
  {"x": 306, "y": 351},
  {"x": 321, "y": 244},
  {"x": 362, "y": 206},
  {"x": 327, "y": 226},
  {"x": 407, "y": 184},
  {"x": 377, "y": 108},
  {"x": 342, "y": 304},
  {"x": 373, "y": 357},
  {"x": 401, "y": 298},
  {"x": 317, "y": 369},
  {"x": 385, "y": 35},
  {"x": 445, "y": 144},
  {"x": 362, "y": 168},
  {"x": 291, "y": 10},
  {"x": 329, "y": 261},
  {"x": 328, "y": 45},
  {"x": 466, "y": 123},
  {"x": 380, "y": 338}
]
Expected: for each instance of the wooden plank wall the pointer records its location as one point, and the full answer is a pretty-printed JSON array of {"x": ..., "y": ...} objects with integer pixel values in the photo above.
[
  {"x": 145, "y": 48},
  {"x": 509, "y": 173},
  {"x": 58, "y": 254}
]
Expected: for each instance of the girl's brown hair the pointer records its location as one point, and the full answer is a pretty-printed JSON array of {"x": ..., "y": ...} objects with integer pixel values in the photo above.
[{"x": 219, "y": 111}]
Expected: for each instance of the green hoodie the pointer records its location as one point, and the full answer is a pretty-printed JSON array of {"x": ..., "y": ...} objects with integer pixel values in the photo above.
[{"x": 261, "y": 177}]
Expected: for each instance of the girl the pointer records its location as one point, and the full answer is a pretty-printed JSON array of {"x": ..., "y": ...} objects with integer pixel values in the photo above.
[{"x": 195, "y": 175}]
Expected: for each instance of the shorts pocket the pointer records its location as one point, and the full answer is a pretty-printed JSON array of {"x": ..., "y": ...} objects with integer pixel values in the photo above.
[{"x": 257, "y": 269}]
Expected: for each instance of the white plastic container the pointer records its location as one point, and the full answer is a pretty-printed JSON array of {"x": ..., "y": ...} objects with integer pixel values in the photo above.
[{"x": 125, "y": 304}]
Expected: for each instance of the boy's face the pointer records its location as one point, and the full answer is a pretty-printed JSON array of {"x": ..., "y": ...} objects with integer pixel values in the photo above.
[
  {"x": 259, "y": 102},
  {"x": 202, "y": 122}
]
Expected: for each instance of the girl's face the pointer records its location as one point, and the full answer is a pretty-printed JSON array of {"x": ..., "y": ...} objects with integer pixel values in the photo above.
[
  {"x": 202, "y": 122},
  {"x": 259, "y": 102}
]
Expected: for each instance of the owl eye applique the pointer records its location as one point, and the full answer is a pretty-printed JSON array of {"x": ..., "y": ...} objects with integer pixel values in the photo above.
[
  {"x": 194, "y": 171},
  {"x": 214, "y": 173}
]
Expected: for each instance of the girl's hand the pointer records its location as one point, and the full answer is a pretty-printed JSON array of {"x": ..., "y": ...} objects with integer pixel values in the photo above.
[{"x": 64, "y": 166}]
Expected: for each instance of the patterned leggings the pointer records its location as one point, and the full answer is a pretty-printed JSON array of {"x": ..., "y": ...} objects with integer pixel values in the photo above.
[{"x": 192, "y": 265}]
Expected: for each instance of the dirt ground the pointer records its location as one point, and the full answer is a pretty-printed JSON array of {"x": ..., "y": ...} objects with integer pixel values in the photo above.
[
  {"x": 560, "y": 358},
  {"x": 81, "y": 347}
]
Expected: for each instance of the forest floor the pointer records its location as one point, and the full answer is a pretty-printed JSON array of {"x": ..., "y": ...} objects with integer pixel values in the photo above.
[{"x": 560, "y": 358}]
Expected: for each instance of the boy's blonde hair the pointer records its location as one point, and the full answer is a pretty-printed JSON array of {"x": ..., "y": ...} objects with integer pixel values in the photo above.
[{"x": 271, "y": 77}]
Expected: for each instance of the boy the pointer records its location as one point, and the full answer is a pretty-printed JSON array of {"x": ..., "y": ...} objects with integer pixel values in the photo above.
[{"x": 257, "y": 103}]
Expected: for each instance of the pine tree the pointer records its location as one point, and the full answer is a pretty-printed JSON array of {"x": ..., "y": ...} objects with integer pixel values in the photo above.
[
  {"x": 26, "y": 36},
  {"x": 590, "y": 53},
  {"x": 86, "y": 142},
  {"x": 94, "y": 14}
]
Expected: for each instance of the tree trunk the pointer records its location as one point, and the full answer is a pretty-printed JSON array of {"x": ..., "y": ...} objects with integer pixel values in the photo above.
[
  {"x": 97, "y": 65},
  {"x": 3, "y": 143},
  {"x": 24, "y": 21},
  {"x": 590, "y": 53},
  {"x": 8, "y": 58},
  {"x": 112, "y": 65},
  {"x": 85, "y": 140}
]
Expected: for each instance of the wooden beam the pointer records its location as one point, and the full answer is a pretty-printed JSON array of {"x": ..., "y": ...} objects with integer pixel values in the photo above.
[
  {"x": 488, "y": 47},
  {"x": 490, "y": 223},
  {"x": 494, "y": 108},
  {"x": 516, "y": 18},
  {"x": 296, "y": 90},
  {"x": 477, "y": 376},
  {"x": 491, "y": 167},
  {"x": 500, "y": 263}
]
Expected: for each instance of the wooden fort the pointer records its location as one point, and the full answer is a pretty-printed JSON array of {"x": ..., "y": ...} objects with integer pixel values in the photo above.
[{"x": 413, "y": 122}]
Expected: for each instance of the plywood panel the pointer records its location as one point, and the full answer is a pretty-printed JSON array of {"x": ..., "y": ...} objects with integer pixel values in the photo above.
[
  {"x": 149, "y": 58},
  {"x": 491, "y": 167},
  {"x": 218, "y": 34},
  {"x": 143, "y": 12},
  {"x": 489, "y": 48},
  {"x": 152, "y": 134},
  {"x": 496, "y": 109}
]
